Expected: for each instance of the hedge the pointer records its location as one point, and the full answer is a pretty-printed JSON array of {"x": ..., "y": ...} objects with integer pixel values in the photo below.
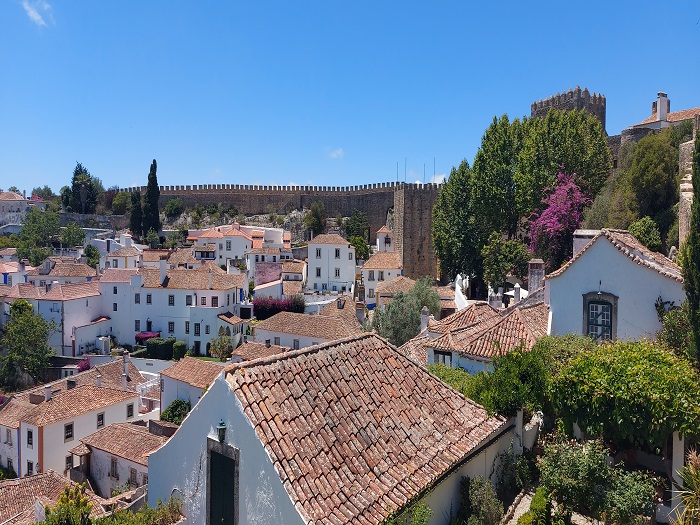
[
  {"x": 160, "y": 348},
  {"x": 179, "y": 350}
]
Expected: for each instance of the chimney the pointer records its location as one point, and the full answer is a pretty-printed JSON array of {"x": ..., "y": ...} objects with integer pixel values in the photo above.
[
  {"x": 663, "y": 106},
  {"x": 209, "y": 278},
  {"x": 424, "y": 318},
  {"x": 98, "y": 380},
  {"x": 125, "y": 361},
  {"x": 124, "y": 382},
  {"x": 360, "y": 311},
  {"x": 24, "y": 194},
  {"x": 47, "y": 393},
  {"x": 516, "y": 293},
  {"x": 267, "y": 343},
  {"x": 109, "y": 244},
  {"x": 535, "y": 274},
  {"x": 163, "y": 270},
  {"x": 126, "y": 241},
  {"x": 21, "y": 266},
  {"x": 70, "y": 384}
]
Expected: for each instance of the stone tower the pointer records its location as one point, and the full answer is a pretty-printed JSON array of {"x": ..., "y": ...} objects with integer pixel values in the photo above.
[{"x": 571, "y": 100}]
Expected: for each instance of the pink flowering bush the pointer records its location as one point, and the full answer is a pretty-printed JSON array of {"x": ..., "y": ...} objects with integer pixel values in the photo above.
[
  {"x": 552, "y": 231},
  {"x": 83, "y": 364}
]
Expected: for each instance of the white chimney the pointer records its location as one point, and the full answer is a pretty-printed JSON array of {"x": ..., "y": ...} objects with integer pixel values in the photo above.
[
  {"x": 125, "y": 361},
  {"x": 98, "y": 380},
  {"x": 47, "y": 393},
  {"x": 360, "y": 312},
  {"x": 163, "y": 270},
  {"x": 662, "y": 106},
  {"x": 516, "y": 293},
  {"x": 124, "y": 382},
  {"x": 209, "y": 279},
  {"x": 424, "y": 318}
]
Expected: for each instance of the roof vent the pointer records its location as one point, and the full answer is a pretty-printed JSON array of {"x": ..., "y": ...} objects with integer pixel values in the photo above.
[{"x": 71, "y": 383}]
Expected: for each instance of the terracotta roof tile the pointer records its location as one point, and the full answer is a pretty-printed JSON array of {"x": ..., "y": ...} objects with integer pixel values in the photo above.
[
  {"x": 68, "y": 292},
  {"x": 291, "y": 288},
  {"x": 155, "y": 255},
  {"x": 195, "y": 372},
  {"x": 11, "y": 196},
  {"x": 65, "y": 269},
  {"x": 125, "y": 251},
  {"x": 474, "y": 313},
  {"x": 118, "y": 275},
  {"x": 370, "y": 432},
  {"x": 342, "y": 308},
  {"x": 212, "y": 233},
  {"x": 293, "y": 266},
  {"x": 415, "y": 348},
  {"x": 17, "y": 496},
  {"x": 628, "y": 245},
  {"x": 314, "y": 326},
  {"x": 14, "y": 411},
  {"x": 24, "y": 291},
  {"x": 258, "y": 249},
  {"x": 184, "y": 279},
  {"x": 125, "y": 440},
  {"x": 204, "y": 247},
  {"x": 329, "y": 238},
  {"x": 384, "y": 229},
  {"x": 253, "y": 350},
  {"x": 674, "y": 116},
  {"x": 383, "y": 261},
  {"x": 230, "y": 318},
  {"x": 395, "y": 285},
  {"x": 235, "y": 232},
  {"x": 182, "y": 257}
]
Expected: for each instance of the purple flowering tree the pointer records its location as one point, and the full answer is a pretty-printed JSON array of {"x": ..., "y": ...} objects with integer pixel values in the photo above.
[{"x": 552, "y": 230}]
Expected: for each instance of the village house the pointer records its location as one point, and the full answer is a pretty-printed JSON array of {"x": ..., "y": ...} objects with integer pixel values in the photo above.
[
  {"x": 301, "y": 330},
  {"x": 12, "y": 272},
  {"x": 385, "y": 240},
  {"x": 610, "y": 288},
  {"x": 331, "y": 264},
  {"x": 13, "y": 207},
  {"x": 382, "y": 266},
  {"x": 385, "y": 290},
  {"x": 62, "y": 271},
  {"x": 252, "y": 350},
  {"x": 187, "y": 380},
  {"x": 299, "y": 437}
]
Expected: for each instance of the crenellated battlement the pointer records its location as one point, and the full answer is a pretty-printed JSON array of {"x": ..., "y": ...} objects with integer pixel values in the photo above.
[{"x": 574, "y": 99}]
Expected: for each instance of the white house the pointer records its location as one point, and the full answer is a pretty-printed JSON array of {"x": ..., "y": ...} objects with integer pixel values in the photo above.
[
  {"x": 382, "y": 266},
  {"x": 187, "y": 380},
  {"x": 331, "y": 263},
  {"x": 266, "y": 445},
  {"x": 62, "y": 271},
  {"x": 608, "y": 290},
  {"x": 13, "y": 207},
  {"x": 301, "y": 330},
  {"x": 116, "y": 456},
  {"x": 385, "y": 240},
  {"x": 385, "y": 290},
  {"x": 662, "y": 116}
]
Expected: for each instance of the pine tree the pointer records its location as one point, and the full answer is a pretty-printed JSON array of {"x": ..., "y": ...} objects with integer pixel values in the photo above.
[
  {"x": 136, "y": 218},
  {"x": 691, "y": 268},
  {"x": 151, "y": 215}
]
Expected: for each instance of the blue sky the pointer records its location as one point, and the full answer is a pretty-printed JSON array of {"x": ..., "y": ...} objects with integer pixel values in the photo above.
[{"x": 326, "y": 93}]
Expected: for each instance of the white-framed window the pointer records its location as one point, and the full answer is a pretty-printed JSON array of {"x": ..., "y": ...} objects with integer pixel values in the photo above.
[
  {"x": 318, "y": 253},
  {"x": 600, "y": 316},
  {"x": 221, "y": 246},
  {"x": 350, "y": 256},
  {"x": 188, "y": 300},
  {"x": 370, "y": 293},
  {"x": 132, "y": 476},
  {"x": 114, "y": 307},
  {"x": 114, "y": 290},
  {"x": 444, "y": 358},
  {"x": 68, "y": 432},
  {"x": 145, "y": 478},
  {"x": 149, "y": 298},
  {"x": 30, "y": 468},
  {"x": 370, "y": 276},
  {"x": 30, "y": 438},
  {"x": 277, "y": 341},
  {"x": 318, "y": 272},
  {"x": 203, "y": 301},
  {"x": 206, "y": 329},
  {"x": 100, "y": 420},
  {"x": 8, "y": 437},
  {"x": 381, "y": 275},
  {"x": 113, "y": 470},
  {"x": 69, "y": 463},
  {"x": 228, "y": 246},
  {"x": 137, "y": 298},
  {"x": 197, "y": 328},
  {"x": 337, "y": 272},
  {"x": 295, "y": 344},
  {"x": 171, "y": 300},
  {"x": 337, "y": 253},
  {"x": 137, "y": 325},
  {"x": 187, "y": 327},
  {"x": 130, "y": 410},
  {"x": 171, "y": 327},
  {"x": 215, "y": 302}
]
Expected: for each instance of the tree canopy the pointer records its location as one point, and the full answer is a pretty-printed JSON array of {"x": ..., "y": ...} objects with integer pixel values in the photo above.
[
  {"x": 151, "y": 214},
  {"x": 357, "y": 225},
  {"x": 646, "y": 232},
  {"x": 38, "y": 230},
  {"x": 136, "y": 217},
  {"x": 315, "y": 218},
  {"x": 84, "y": 192},
  {"x": 502, "y": 258},
  {"x": 72, "y": 235},
  {"x": 691, "y": 266}
]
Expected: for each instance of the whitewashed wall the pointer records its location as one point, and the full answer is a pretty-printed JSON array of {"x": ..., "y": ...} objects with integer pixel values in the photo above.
[{"x": 100, "y": 472}]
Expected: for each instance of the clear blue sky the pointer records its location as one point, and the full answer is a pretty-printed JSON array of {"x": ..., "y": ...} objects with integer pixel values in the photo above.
[{"x": 311, "y": 92}]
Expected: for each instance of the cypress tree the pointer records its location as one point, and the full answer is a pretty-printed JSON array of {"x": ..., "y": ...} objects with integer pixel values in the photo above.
[
  {"x": 691, "y": 266},
  {"x": 151, "y": 215},
  {"x": 136, "y": 218}
]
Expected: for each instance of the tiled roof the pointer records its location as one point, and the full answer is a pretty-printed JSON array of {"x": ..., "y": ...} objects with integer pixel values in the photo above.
[
  {"x": 183, "y": 279},
  {"x": 155, "y": 255},
  {"x": 68, "y": 292},
  {"x": 257, "y": 244},
  {"x": 329, "y": 238},
  {"x": 195, "y": 372},
  {"x": 314, "y": 326},
  {"x": 211, "y": 266},
  {"x": 675, "y": 116},
  {"x": 499, "y": 335},
  {"x": 264, "y": 251},
  {"x": 65, "y": 269},
  {"x": 204, "y": 247},
  {"x": 17, "y": 496},
  {"x": 355, "y": 429},
  {"x": 118, "y": 275},
  {"x": 212, "y": 233},
  {"x": 14, "y": 411},
  {"x": 395, "y": 285},
  {"x": 415, "y": 348},
  {"x": 235, "y": 232},
  {"x": 125, "y": 440},
  {"x": 291, "y": 287},
  {"x": 182, "y": 257},
  {"x": 474, "y": 313},
  {"x": 24, "y": 291},
  {"x": 74, "y": 402},
  {"x": 230, "y": 318},
  {"x": 11, "y": 196},
  {"x": 293, "y": 266},
  {"x": 125, "y": 251},
  {"x": 252, "y": 350},
  {"x": 9, "y": 267},
  {"x": 629, "y": 246},
  {"x": 383, "y": 261},
  {"x": 8, "y": 252},
  {"x": 384, "y": 229},
  {"x": 342, "y": 308}
]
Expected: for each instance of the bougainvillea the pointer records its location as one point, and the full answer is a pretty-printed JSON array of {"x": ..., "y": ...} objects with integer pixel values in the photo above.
[
  {"x": 552, "y": 231},
  {"x": 83, "y": 364},
  {"x": 265, "y": 307}
]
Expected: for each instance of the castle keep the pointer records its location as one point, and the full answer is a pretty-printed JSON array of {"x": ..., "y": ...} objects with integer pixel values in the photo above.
[{"x": 572, "y": 100}]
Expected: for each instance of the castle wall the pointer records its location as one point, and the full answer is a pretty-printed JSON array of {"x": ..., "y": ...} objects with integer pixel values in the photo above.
[
  {"x": 574, "y": 99},
  {"x": 685, "y": 168}
]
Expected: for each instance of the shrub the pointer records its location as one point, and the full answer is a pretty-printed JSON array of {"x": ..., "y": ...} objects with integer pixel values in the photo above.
[
  {"x": 160, "y": 348},
  {"x": 540, "y": 507},
  {"x": 179, "y": 350},
  {"x": 176, "y": 411},
  {"x": 266, "y": 307},
  {"x": 488, "y": 509},
  {"x": 83, "y": 364}
]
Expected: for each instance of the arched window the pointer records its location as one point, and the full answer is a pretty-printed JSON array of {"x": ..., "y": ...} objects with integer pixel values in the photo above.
[{"x": 600, "y": 316}]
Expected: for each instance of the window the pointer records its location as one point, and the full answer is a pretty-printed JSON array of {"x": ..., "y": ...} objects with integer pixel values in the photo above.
[
  {"x": 370, "y": 293},
  {"x": 381, "y": 275},
  {"x": 215, "y": 302},
  {"x": 188, "y": 300},
  {"x": 337, "y": 253},
  {"x": 30, "y": 468},
  {"x": 30, "y": 439},
  {"x": 206, "y": 329},
  {"x": 370, "y": 277},
  {"x": 68, "y": 432},
  {"x": 10, "y": 465},
  {"x": 171, "y": 300},
  {"x": 350, "y": 256},
  {"x": 100, "y": 420},
  {"x": 444, "y": 358},
  {"x": 42, "y": 283},
  {"x": 228, "y": 246},
  {"x": 171, "y": 327},
  {"x": 114, "y": 307},
  {"x": 162, "y": 384},
  {"x": 130, "y": 410},
  {"x": 277, "y": 341},
  {"x": 600, "y": 316},
  {"x": 318, "y": 272},
  {"x": 115, "y": 263},
  {"x": 145, "y": 478},
  {"x": 114, "y": 290},
  {"x": 137, "y": 298},
  {"x": 296, "y": 344},
  {"x": 221, "y": 246},
  {"x": 203, "y": 301},
  {"x": 132, "y": 476},
  {"x": 8, "y": 437},
  {"x": 337, "y": 272},
  {"x": 257, "y": 258},
  {"x": 318, "y": 253},
  {"x": 113, "y": 472},
  {"x": 69, "y": 462},
  {"x": 187, "y": 327},
  {"x": 197, "y": 328},
  {"x": 137, "y": 325},
  {"x": 148, "y": 298}
]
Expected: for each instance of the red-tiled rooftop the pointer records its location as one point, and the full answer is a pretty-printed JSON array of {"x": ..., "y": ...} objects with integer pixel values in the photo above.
[
  {"x": 253, "y": 350},
  {"x": 674, "y": 116},
  {"x": 355, "y": 429},
  {"x": 329, "y": 238},
  {"x": 313, "y": 326},
  {"x": 395, "y": 285},
  {"x": 473, "y": 313},
  {"x": 68, "y": 292},
  {"x": 383, "y": 261},
  {"x": 195, "y": 372},
  {"x": 125, "y": 440}
]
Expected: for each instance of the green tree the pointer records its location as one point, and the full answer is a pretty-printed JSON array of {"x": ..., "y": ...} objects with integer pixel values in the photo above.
[
  {"x": 72, "y": 235},
  {"x": 14, "y": 189},
  {"x": 152, "y": 238},
  {"x": 457, "y": 234},
  {"x": 174, "y": 208},
  {"x": 361, "y": 248},
  {"x": 176, "y": 411},
  {"x": 45, "y": 193},
  {"x": 357, "y": 225},
  {"x": 72, "y": 508},
  {"x": 691, "y": 267},
  {"x": 93, "y": 255},
  {"x": 221, "y": 347},
  {"x": 136, "y": 217},
  {"x": 676, "y": 332},
  {"x": 26, "y": 343},
  {"x": 502, "y": 258},
  {"x": 84, "y": 193},
  {"x": 646, "y": 232},
  {"x": 487, "y": 508},
  {"x": 38, "y": 230},
  {"x": 315, "y": 218},
  {"x": 151, "y": 215},
  {"x": 121, "y": 203}
]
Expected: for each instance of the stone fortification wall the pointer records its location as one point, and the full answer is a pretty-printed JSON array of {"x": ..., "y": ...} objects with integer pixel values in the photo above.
[
  {"x": 685, "y": 168},
  {"x": 574, "y": 99}
]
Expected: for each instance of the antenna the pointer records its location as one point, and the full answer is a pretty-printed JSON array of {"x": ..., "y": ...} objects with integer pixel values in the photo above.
[
  {"x": 405, "y": 159},
  {"x": 397, "y": 171},
  {"x": 424, "y": 173}
]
